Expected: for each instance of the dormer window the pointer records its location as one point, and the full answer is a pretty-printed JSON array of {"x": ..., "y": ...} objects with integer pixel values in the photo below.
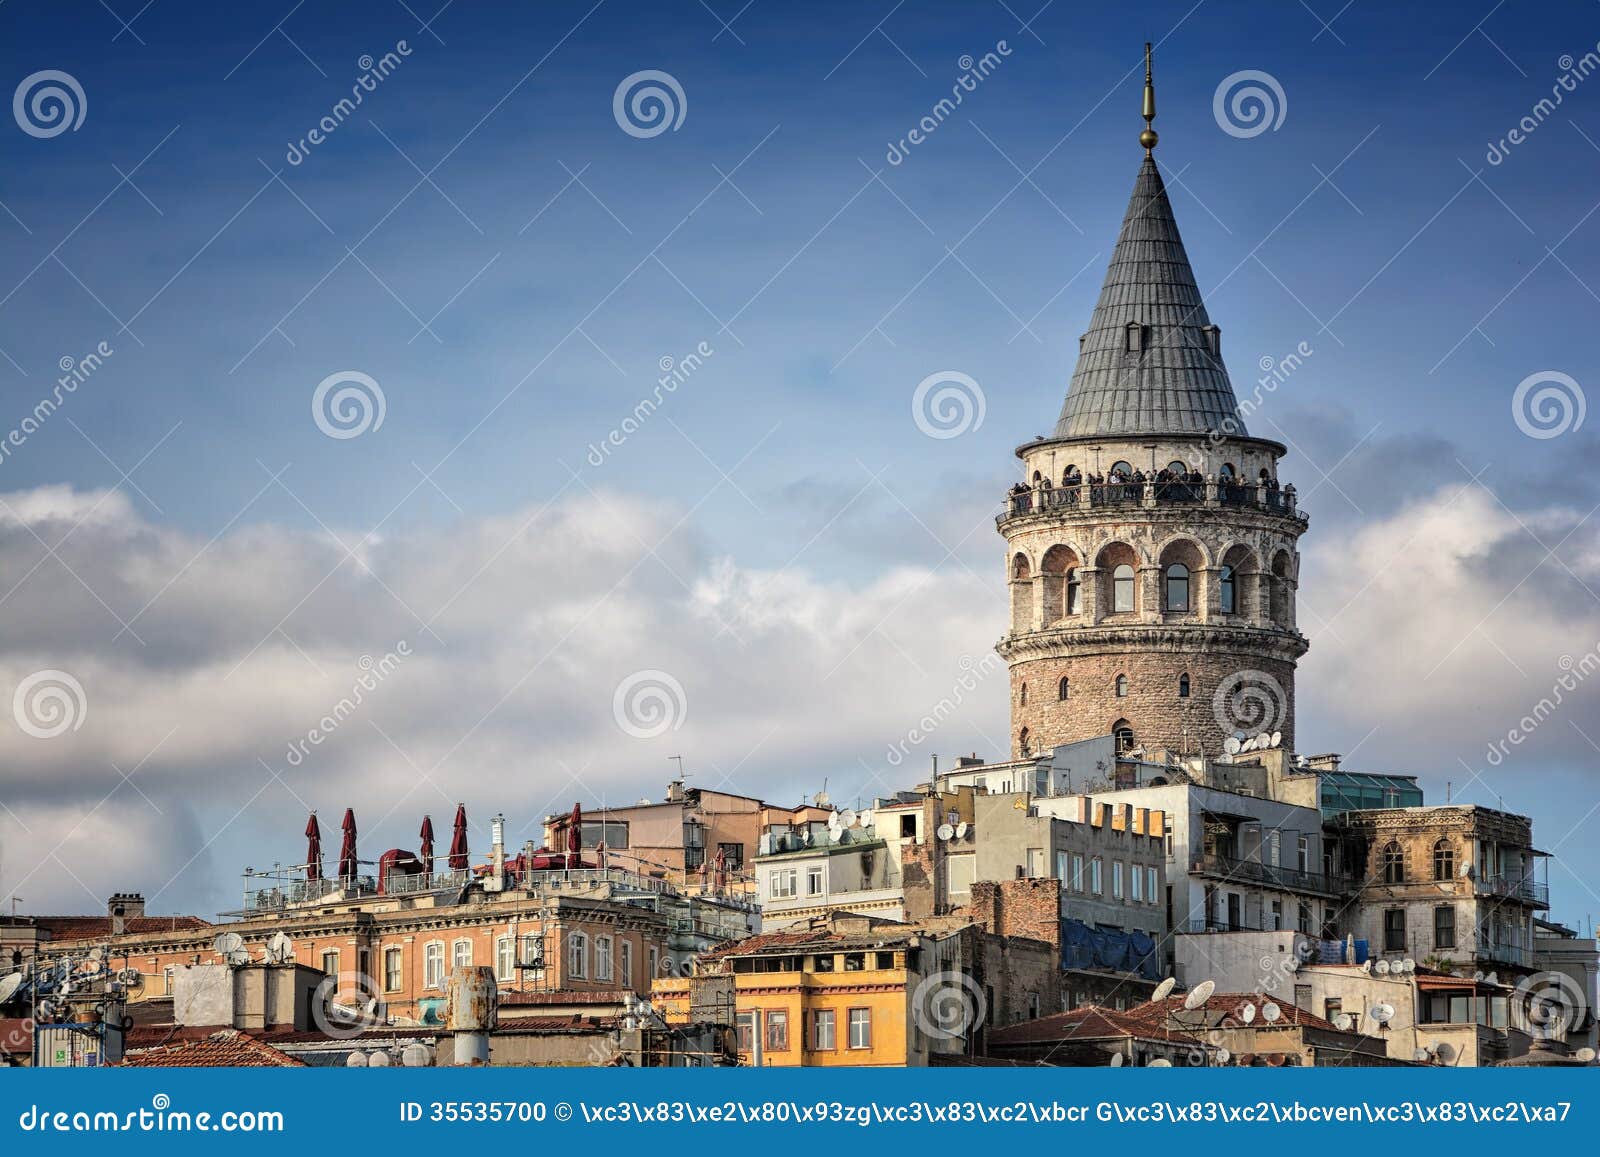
[
  {"x": 1213, "y": 340},
  {"x": 1135, "y": 338}
]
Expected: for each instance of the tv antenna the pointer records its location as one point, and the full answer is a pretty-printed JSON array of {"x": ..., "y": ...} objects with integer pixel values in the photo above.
[{"x": 681, "y": 773}]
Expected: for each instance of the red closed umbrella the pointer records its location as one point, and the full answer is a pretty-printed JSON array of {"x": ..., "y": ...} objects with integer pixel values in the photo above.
[
  {"x": 458, "y": 841},
  {"x": 313, "y": 848},
  {"x": 575, "y": 830},
  {"x": 347, "y": 850},
  {"x": 427, "y": 845}
]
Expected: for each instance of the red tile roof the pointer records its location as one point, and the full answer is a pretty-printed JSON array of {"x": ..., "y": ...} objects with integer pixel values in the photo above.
[
  {"x": 1088, "y": 1023},
  {"x": 63, "y": 928},
  {"x": 564, "y": 996},
  {"x": 228, "y": 1049}
]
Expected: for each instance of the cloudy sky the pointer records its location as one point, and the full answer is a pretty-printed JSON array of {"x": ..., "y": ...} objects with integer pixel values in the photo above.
[{"x": 779, "y": 558}]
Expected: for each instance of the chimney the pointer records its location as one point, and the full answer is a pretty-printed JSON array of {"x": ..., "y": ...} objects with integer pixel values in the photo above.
[
  {"x": 123, "y": 907},
  {"x": 675, "y": 791},
  {"x": 1329, "y": 762},
  {"x": 497, "y": 852}
]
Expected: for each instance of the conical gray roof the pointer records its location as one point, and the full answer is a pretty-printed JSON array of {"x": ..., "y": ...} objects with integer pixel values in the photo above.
[{"x": 1174, "y": 384}]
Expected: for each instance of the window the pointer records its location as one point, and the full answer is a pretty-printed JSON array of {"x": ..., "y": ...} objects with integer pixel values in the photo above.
[
  {"x": 1138, "y": 885},
  {"x": 605, "y": 963},
  {"x": 1077, "y": 872},
  {"x": 1122, "y": 589},
  {"x": 461, "y": 954},
  {"x": 1116, "y": 879},
  {"x": 822, "y": 1024},
  {"x": 1183, "y": 686},
  {"x": 1394, "y": 930},
  {"x": 1177, "y": 587},
  {"x": 1444, "y": 860},
  {"x": 1305, "y": 917},
  {"x": 777, "y": 1031},
  {"x": 1332, "y": 1009},
  {"x": 1444, "y": 926},
  {"x": 855, "y": 961},
  {"x": 781, "y": 883},
  {"x": 1135, "y": 337},
  {"x": 1022, "y": 695},
  {"x": 814, "y": 881},
  {"x": 1035, "y": 863},
  {"x": 732, "y": 856},
  {"x": 1303, "y": 861},
  {"x": 655, "y": 962},
  {"x": 860, "y": 1028},
  {"x": 694, "y": 845},
  {"x": 1023, "y": 743},
  {"x": 330, "y": 962},
  {"x": 505, "y": 958},
  {"x": 1096, "y": 880},
  {"x": 433, "y": 964},
  {"x": 1227, "y": 473},
  {"x": 1063, "y": 689},
  {"x": 577, "y": 956},
  {"x": 1074, "y": 592},
  {"x": 166, "y": 979},
  {"x": 1121, "y": 472},
  {"x": 1124, "y": 737},
  {"x": 593, "y": 833},
  {"x": 1150, "y": 884},
  {"x": 1394, "y": 863},
  {"x": 625, "y": 964},
  {"x": 745, "y": 1027},
  {"x": 533, "y": 952},
  {"x": 1230, "y": 598},
  {"x": 908, "y": 827},
  {"x": 1122, "y": 686},
  {"x": 1061, "y": 868}
]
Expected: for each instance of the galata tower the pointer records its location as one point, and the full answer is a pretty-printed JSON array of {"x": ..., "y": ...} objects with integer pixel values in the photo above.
[{"x": 1150, "y": 550}]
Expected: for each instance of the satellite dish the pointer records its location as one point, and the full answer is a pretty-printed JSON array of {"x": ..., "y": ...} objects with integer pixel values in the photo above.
[
  {"x": 1159, "y": 1063},
  {"x": 1344, "y": 1022},
  {"x": 1223, "y": 1055},
  {"x": 1421, "y": 1056},
  {"x": 130, "y": 978},
  {"x": 843, "y": 836},
  {"x": 1248, "y": 1012},
  {"x": 379, "y": 1060},
  {"x": 356, "y": 1060},
  {"x": 961, "y": 830},
  {"x": 1277, "y": 739},
  {"x": 865, "y": 818},
  {"x": 1366, "y": 966},
  {"x": 1199, "y": 994},
  {"x": 1116, "y": 1060},
  {"x": 1445, "y": 1051},
  {"x": 1492, "y": 978},
  {"x": 1271, "y": 1013},
  {"x": 946, "y": 831},
  {"x": 280, "y": 948},
  {"x": 9, "y": 986},
  {"x": 227, "y": 943},
  {"x": 1586, "y": 1055},
  {"x": 1381, "y": 968},
  {"x": 1382, "y": 1013},
  {"x": 847, "y": 818},
  {"x": 1230, "y": 745},
  {"x": 96, "y": 955},
  {"x": 1164, "y": 989},
  {"x": 1408, "y": 965},
  {"x": 833, "y": 821}
]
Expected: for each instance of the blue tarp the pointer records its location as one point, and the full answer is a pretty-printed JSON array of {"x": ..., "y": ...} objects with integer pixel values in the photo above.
[{"x": 1112, "y": 948}]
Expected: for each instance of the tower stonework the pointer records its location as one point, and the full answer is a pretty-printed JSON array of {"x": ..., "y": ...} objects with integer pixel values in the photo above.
[{"x": 1150, "y": 551}]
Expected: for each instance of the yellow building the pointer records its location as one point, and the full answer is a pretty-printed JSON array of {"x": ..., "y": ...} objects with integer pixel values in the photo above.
[{"x": 846, "y": 990}]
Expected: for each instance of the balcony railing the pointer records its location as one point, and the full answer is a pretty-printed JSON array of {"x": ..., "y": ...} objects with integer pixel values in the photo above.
[
  {"x": 1270, "y": 875},
  {"x": 1523, "y": 888},
  {"x": 1223, "y": 924},
  {"x": 1087, "y": 496}
]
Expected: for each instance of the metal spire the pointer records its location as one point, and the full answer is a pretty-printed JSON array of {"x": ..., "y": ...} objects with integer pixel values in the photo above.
[{"x": 1148, "y": 138}]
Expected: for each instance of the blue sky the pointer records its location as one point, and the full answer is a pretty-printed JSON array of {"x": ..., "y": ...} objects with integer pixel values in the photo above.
[{"x": 484, "y": 241}]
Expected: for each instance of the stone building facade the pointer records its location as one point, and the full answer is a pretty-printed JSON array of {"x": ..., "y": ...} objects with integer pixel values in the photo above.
[{"x": 1150, "y": 551}]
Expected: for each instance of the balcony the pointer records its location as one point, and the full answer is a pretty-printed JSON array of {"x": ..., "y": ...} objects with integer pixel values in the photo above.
[
  {"x": 1102, "y": 495},
  {"x": 1523, "y": 889},
  {"x": 1222, "y": 867}
]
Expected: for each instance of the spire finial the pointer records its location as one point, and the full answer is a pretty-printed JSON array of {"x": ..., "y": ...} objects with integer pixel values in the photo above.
[{"x": 1148, "y": 138}]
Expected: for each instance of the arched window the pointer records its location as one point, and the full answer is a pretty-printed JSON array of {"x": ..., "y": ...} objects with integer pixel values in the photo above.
[
  {"x": 1394, "y": 863},
  {"x": 1023, "y": 743},
  {"x": 1071, "y": 476},
  {"x": 1037, "y": 478},
  {"x": 1121, "y": 472},
  {"x": 1444, "y": 860},
  {"x": 1226, "y": 585},
  {"x": 1122, "y": 589},
  {"x": 1062, "y": 689},
  {"x": 1123, "y": 734},
  {"x": 1227, "y": 473},
  {"x": 1177, "y": 469},
  {"x": 1177, "y": 587},
  {"x": 1122, "y": 686},
  {"x": 1183, "y": 686},
  {"x": 1022, "y": 696},
  {"x": 1074, "y": 592}
]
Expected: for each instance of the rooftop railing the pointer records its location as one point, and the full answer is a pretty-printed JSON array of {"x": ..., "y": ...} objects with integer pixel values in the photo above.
[
  {"x": 1271, "y": 875},
  {"x": 1080, "y": 495},
  {"x": 1524, "y": 888}
]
